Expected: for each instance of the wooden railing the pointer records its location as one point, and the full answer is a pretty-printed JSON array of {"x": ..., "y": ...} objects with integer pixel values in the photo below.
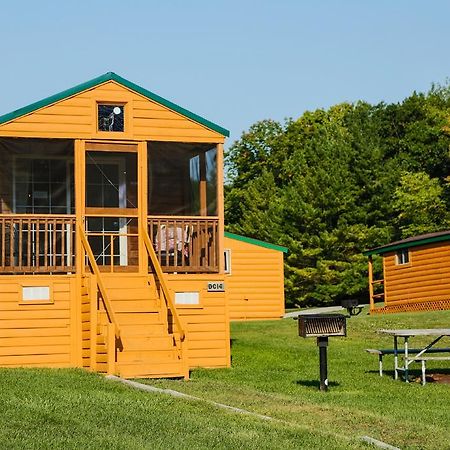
[
  {"x": 162, "y": 281},
  {"x": 37, "y": 243},
  {"x": 376, "y": 287},
  {"x": 185, "y": 243},
  {"x": 101, "y": 287}
]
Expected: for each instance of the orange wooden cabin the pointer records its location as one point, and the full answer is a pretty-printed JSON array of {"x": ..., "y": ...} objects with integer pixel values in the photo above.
[
  {"x": 254, "y": 278},
  {"x": 416, "y": 274},
  {"x": 111, "y": 234}
]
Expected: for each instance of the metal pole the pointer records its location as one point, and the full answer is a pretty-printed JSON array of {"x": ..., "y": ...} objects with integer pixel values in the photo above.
[{"x": 322, "y": 343}]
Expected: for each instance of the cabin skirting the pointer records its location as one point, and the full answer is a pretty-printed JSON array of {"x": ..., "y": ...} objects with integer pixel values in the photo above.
[{"x": 425, "y": 305}]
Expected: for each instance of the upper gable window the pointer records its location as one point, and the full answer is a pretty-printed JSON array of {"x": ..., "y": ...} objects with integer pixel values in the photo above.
[{"x": 110, "y": 117}]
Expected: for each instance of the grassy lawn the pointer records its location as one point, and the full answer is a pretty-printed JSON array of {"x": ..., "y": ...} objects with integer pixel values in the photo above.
[{"x": 274, "y": 373}]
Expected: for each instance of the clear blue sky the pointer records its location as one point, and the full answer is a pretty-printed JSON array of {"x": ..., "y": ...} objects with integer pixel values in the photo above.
[{"x": 233, "y": 62}]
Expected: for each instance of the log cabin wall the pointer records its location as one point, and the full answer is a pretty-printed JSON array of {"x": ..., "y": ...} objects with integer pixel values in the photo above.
[
  {"x": 425, "y": 277},
  {"x": 37, "y": 332},
  {"x": 206, "y": 319},
  {"x": 74, "y": 117},
  {"x": 255, "y": 283}
]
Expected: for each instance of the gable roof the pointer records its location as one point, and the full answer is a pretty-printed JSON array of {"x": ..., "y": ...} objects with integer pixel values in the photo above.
[
  {"x": 413, "y": 241},
  {"x": 111, "y": 76},
  {"x": 248, "y": 240}
]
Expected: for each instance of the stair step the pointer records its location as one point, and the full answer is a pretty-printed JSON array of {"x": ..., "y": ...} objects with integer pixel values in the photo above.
[
  {"x": 158, "y": 342},
  {"x": 131, "y": 330},
  {"x": 147, "y": 356},
  {"x": 149, "y": 370},
  {"x": 118, "y": 281},
  {"x": 135, "y": 305},
  {"x": 125, "y": 293},
  {"x": 138, "y": 318}
]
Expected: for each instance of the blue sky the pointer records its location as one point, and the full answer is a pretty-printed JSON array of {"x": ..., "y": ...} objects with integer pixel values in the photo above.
[{"x": 233, "y": 62}]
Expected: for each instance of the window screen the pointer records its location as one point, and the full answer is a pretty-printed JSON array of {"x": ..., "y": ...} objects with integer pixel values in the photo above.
[{"x": 111, "y": 117}]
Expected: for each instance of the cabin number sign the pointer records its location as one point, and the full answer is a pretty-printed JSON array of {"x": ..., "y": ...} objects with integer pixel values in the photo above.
[{"x": 216, "y": 286}]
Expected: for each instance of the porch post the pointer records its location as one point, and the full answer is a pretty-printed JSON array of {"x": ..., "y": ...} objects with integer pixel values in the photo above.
[
  {"x": 79, "y": 254},
  {"x": 203, "y": 205},
  {"x": 142, "y": 203},
  {"x": 372, "y": 304},
  {"x": 220, "y": 206},
  {"x": 80, "y": 193}
]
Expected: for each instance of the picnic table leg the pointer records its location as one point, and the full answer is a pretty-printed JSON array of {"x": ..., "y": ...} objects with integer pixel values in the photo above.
[
  {"x": 395, "y": 358},
  {"x": 380, "y": 361},
  {"x": 423, "y": 373},
  {"x": 406, "y": 362}
]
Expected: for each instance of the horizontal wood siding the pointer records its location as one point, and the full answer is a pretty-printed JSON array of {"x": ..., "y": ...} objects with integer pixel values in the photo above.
[
  {"x": 76, "y": 117},
  {"x": 206, "y": 324},
  {"x": 35, "y": 335},
  {"x": 425, "y": 277},
  {"x": 255, "y": 287}
]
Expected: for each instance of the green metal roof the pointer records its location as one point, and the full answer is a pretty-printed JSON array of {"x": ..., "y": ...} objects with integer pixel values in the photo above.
[
  {"x": 111, "y": 76},
  {"x": 414, "y": 241},
  {"x": 248, "y": 240}
]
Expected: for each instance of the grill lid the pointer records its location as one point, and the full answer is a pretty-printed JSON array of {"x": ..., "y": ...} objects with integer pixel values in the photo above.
[{"x": 316, "y": 325}]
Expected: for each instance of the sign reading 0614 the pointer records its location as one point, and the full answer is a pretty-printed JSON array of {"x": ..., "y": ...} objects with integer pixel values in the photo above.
[{"x": 216, "y": 286}]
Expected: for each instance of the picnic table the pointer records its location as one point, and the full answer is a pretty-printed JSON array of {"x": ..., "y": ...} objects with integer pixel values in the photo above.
[{"x": 418, "y": 356}]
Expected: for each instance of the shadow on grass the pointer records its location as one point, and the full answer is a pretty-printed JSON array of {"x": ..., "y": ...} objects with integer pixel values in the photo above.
[{"x": 315, "y": 383}]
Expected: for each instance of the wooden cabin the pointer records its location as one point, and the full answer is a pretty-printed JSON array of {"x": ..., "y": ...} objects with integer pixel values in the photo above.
[
  {"x": 416, "y": 274},
  {"x": 254, "y": 278},
  {"x": 111, "y": 234}
]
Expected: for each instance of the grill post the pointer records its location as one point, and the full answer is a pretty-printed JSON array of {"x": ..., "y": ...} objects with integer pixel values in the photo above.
[
  {"x": 322, "y": 326},
  {"x": 322, "y": 343}
]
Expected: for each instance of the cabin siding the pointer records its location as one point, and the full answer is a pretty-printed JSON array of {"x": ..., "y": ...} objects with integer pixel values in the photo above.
[
  {"x": 76, "y": 118},
  {"x": 206, "y": 324},
  {"x": 39, "y": 334},
  {"x": 255, "y": 286},
  {"x": 425, "y": 277}
]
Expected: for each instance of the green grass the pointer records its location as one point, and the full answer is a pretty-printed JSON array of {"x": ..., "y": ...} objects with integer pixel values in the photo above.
[
  {"x": 274, "y": 373},
  {"x": 73, "y": 409}
]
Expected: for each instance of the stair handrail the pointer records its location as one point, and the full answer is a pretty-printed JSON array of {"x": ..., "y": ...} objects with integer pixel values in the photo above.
[
  {"x": 162, "y": 281},
  {"x": 101, "y": 287}
]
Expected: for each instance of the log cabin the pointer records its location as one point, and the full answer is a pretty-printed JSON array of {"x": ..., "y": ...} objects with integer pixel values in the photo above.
[
  {"x": 254, "y": 278},
  {"x": 416, "y": 274},
  {"x": 111, "y": 234}
]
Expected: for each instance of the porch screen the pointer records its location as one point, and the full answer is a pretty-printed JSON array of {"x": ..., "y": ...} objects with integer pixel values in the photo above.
[
  {"x": 36, "y": 176},
  {"x": 182, "y": 179}
]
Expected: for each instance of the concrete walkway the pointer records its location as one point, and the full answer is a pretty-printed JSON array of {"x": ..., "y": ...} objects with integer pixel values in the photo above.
[{"x": 323, "y": 310}]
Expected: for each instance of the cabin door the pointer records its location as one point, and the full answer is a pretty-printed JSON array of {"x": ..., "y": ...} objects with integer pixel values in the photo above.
[
  {"x": 105, "y": 186},
  {"x": 111, "y": 214}
]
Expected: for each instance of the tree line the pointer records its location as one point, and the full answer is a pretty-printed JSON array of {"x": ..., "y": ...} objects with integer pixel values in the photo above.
[{"x": 338, "y": 181}]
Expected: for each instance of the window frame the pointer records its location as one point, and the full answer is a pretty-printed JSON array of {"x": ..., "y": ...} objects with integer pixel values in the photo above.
[
  {"x": 227, "y": 261},
  {"x": 403, "y": 257}
]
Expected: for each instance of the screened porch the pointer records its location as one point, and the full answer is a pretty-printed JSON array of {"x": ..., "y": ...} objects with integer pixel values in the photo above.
[{"x": 51, "y": 188}]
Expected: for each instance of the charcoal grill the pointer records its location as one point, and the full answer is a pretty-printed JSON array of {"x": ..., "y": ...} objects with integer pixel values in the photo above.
[{"x": 322, "y": 326}]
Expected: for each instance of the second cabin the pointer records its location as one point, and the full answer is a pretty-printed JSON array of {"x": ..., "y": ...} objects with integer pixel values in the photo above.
[
  {"x": 111, "y": 234},
  {"x": 415, "y": 274}
]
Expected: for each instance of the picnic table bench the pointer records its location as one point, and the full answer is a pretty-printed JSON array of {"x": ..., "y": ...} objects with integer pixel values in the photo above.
[{"x": 414, "y": 351}]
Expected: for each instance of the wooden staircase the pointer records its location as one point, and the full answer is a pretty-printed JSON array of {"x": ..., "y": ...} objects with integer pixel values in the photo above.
[
  {"x": 134, "y": 328},
  {"x": 148, "y": 347}
]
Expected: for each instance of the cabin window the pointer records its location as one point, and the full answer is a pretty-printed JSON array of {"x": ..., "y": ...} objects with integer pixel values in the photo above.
[
  {"x": 187, "y": 298},
  {"x": 111, "y": 117},
  {"x": 403, "y": 256},
  {"x": 227, "y": 261},
  {"x": 36, "y": 293},
  {"x": 182, "y": 179}
]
